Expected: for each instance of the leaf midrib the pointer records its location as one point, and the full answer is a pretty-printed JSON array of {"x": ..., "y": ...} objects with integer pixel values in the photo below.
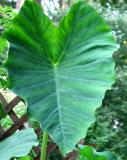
[{"x": 58, "y": 101}]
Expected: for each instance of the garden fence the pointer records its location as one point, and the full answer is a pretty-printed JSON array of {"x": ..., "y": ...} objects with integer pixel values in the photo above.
[{"x": 18, "y": 124}]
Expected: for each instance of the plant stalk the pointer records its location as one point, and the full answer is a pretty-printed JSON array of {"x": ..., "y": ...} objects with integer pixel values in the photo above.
[{"x": 44, "y": 146}]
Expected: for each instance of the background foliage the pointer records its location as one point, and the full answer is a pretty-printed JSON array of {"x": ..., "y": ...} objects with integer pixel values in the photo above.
[{"x": 110, "y": 127}]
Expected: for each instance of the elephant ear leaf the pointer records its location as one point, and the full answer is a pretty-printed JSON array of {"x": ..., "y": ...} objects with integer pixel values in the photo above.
[
  {"x": 62, "y": 72},
  {"x": 18, "y": 145}
]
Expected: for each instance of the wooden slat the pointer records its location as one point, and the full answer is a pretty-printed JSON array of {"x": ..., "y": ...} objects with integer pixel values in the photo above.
[
  {"x": 1, "y": 131},
  {"x": 38, "y": 131},
  {"x": 51, "y": 147},
  {"x": 3, "y": 100},
  {"x": 15, "y": 127},
  {"x": 71, "y": 156},
  {"x": 12, "y": 104},
  {"x": 13, "y": 116}
]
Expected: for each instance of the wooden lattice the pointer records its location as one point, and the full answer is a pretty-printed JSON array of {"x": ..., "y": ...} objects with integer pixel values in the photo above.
[{"x": 18, "y": 124}]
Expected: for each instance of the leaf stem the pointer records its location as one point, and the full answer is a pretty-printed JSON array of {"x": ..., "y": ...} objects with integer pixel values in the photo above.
[{"x": 44, "y": 146}]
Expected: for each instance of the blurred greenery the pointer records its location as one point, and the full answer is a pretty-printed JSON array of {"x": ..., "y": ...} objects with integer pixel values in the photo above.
[
  {"x": 111, "y": 2},
  {"x": 89, "y": 153},
  {"x": 8, "y": 3},
  {"x": 7, "y": 14},
  {"x": 109, "y": 130}
]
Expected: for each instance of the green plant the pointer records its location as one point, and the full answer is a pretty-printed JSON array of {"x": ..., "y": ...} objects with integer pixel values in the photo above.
[
  {"x": 109, "y": 130},
  {"x": 6, "y": 17},
  {"x": 62, "y": 72},
  {"x": 89, "y": 153},
  {"x": 18, "y": 145}
]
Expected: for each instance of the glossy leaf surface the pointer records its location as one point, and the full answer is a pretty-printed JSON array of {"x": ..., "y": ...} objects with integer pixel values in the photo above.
[{"x": 62, "y": 72}]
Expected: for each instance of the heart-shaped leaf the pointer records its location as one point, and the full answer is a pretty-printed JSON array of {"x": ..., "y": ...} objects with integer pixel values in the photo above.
[
  {"x": 18, "y": 145},
  {"x": 62, "y": 72}
]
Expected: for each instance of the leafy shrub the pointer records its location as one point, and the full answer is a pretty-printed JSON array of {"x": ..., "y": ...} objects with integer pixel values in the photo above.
[
  {"x": 110, "y": 128},
  {"x": 6, "y": 16}
]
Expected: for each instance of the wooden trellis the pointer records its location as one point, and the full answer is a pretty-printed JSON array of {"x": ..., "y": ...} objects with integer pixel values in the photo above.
[{"x": 18, "y": 124}]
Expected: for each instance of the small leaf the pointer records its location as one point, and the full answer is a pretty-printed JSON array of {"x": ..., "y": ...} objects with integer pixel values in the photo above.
[
  {"x": 88, "y": 153},
  {"x": 18, "y": 145}
]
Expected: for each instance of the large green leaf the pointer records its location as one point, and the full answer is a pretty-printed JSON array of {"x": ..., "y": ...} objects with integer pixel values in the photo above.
[
  {"x": 62, "y": 72},
  {"x": 18, "y": 145},
  {"x": 89, "y": 153}
]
